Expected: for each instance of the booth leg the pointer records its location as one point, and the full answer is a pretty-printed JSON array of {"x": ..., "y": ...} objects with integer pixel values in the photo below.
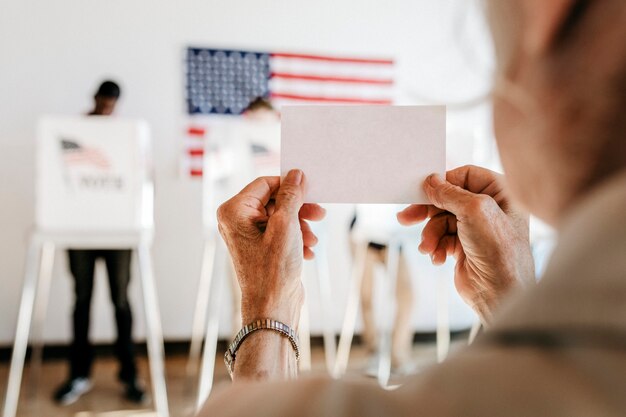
[
  {"x": 23, "y": 327},
  {"x": 387, "y": 319},
  {"x": 352, "y": 308},
  {"x": 154, "y": 330},
  {"x": 39, "y": 314},
  {"x": 207, "y": 368},
  {"x": 474, "y": 331},
  {"x": 202, "y": 302},
  {"x": 323, "y": 280},
  {"x": 443, "y": 322}
]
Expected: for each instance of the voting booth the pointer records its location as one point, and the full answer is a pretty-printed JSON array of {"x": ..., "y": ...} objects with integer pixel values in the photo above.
[
  {"x": 93, "y": 190},
  {"x": 230, "y": 154},
  {"x": 93, "y": 175},
  {"x": 238, "y": 151}
]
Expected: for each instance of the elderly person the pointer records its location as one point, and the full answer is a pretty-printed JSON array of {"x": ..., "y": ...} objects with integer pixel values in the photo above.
[{"x": 557, "y": 348}]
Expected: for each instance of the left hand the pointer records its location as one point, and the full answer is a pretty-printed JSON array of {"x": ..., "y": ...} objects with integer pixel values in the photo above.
[{"x": 265, "y": 229}]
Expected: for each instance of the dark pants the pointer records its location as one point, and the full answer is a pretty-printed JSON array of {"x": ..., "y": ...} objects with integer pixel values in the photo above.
[{"x": 82, "y": 265}]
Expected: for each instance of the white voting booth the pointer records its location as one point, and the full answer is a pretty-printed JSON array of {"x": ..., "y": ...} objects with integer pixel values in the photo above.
[
  {"x": 94, "y": 190},
  {"x": 238, "y": 151}
]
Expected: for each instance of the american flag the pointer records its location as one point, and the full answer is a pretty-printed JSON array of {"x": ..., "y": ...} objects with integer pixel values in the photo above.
[
  {"x": 192, "y": 162},
  {"x": 75, "y": 154},
  {"x": 225, "y": 82}
]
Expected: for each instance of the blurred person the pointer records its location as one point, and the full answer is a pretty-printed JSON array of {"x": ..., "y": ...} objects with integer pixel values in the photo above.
[
  {"x": 106, "y": 99},
  {"x": 556, "y": 348},
  {"x": 261, "y": 109},
  {"x": 370, "y": 223},
  {"x": 82, "y": 266}
]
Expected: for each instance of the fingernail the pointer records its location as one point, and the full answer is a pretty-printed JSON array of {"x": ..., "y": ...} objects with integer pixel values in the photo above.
[
  {"x": 421, "y": 249},
  {"x": 294, "y": 177}
]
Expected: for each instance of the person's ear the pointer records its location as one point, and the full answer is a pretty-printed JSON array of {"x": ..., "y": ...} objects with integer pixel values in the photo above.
[{"x": 543, "y": 22}]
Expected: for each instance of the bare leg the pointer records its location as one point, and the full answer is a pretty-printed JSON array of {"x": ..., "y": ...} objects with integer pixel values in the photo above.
[
  {"x": 370, "y": 336},
  {"x": 402, "y": 339}
]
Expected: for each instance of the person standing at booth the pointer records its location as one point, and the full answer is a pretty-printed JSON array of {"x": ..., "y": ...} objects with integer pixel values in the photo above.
[{"x": 82, "y": 265}]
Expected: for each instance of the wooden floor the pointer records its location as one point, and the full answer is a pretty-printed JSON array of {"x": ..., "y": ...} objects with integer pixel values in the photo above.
[{"x": 106, "y": 400}]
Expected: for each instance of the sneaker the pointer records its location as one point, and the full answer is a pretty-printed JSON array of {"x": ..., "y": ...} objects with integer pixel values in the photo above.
[
  {"x": 72, "y": 390},
  {"x": 135, "y": 393}
]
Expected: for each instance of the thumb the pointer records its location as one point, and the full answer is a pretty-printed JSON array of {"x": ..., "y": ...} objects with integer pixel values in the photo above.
[
  {"x": 290, "y": 195},
  {"x": 447, "y": 196}
]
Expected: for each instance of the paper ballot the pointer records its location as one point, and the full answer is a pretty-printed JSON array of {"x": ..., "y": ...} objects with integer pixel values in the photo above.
[{"x": 364, "y": 154}]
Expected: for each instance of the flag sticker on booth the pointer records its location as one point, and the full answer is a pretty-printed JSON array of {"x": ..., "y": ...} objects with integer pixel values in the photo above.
[
  {"x": 87, "y": 168},
  {"x": 75, "y": 154}
]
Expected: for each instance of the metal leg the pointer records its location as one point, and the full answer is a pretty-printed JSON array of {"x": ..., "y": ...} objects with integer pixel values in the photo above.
[
  {"x": 23, "y": 327},
  {"x": 202, "y": 302},
  {"x": 39, "y": 314},
  {"x": 154, "y": 329},
  {"x": 387, "y": 319},
  {"x": 323, "y": 280},
  {"x": 305, "y": 338},
  {"x": 352, "y": 308},
  {"x": 474, "y": 332},
  {"x": 443, "y": 322},
  {"x": 207, "y": 368}
]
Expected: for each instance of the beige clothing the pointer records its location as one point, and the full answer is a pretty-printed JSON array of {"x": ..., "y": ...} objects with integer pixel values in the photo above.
[{"x": 557, "y": 350}]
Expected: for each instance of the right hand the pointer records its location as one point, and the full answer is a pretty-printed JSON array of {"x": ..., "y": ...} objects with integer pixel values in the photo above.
[{"x": 472, "y": 220}]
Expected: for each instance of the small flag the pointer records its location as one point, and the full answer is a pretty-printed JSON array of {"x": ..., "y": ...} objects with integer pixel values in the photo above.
[{"x": 75, "y": 154}]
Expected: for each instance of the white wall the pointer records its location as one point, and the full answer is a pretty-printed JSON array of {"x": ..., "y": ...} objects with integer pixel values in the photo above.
[{"x": 54, "y": 53}]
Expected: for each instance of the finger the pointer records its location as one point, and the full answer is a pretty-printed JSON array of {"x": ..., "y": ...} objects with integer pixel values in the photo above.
[
  {"x": 416, "y": 213},
  {"x": 308, "y": 254},
  {"x": 442, "y": 251},
  {"x": 481, "y": 181},
  {"x": 270, "y": 208},
  {"x": 313, "y": 212},
  {"x": 438, "y": 257},
  {"x": 290, "y": 195},
  {"x": 438, "y": 227},
  {"x": 476, "y": 179},
  {"x": 308, "y": 237},
  {"x": 244, "y": 214},
  {"x": 262, "y": 189},
  {"x": 447, "y": 196},
  {"x": 413, "y": 214}
]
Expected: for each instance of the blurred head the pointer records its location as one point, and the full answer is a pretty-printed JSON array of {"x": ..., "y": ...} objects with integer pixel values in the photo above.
[
  {"x": 261, "y": 109},
  {"x": 106, "y": 98},
  {"x": 559, "y": 95}
]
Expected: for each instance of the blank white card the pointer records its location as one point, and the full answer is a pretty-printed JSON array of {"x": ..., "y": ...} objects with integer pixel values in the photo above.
[{"x": 364, "y": 154}]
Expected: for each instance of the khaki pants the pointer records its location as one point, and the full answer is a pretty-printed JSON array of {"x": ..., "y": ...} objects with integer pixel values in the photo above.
[{"x": 402, "y": 336}]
